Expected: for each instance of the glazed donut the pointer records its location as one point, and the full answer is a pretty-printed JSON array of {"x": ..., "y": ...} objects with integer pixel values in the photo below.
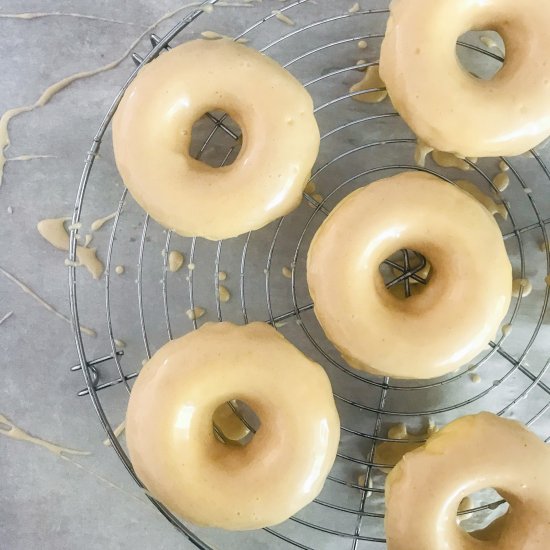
[
  {"x": 152, "y": 134},
  {"x": 445, "y": 105},
  {"x": 434, "y": 331},
  {"x": 425, "y": 488},
  {"x": 181, "y": 462}
]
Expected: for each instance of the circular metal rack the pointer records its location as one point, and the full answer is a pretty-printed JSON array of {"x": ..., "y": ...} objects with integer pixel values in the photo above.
[{"x": 360, "y": 142}]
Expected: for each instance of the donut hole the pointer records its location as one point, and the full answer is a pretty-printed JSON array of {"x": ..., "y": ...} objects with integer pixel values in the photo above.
[
  {"x": 485, "y": 522},
  {"x": 235, "y": 423},
  {"x": 215, "y": 139},
  {"x": 406, "y": 273},
  {"x": 479, "y": 64}
]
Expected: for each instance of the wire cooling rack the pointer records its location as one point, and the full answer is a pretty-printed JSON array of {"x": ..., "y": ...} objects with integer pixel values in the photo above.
[{"x": 360, "y": 142}]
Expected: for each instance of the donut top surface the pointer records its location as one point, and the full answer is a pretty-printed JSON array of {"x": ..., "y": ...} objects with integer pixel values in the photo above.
[
  {"x": 425, "y": 488},
  {"x": 152, "y": 132},
  {"x": 448, "y": 107},
  {"x": 181, "y": 462},
  {"x": 456, "y": 314}
]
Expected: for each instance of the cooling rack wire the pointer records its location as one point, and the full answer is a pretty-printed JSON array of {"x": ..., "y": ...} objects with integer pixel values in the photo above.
[{"x": 360, "y": 143}]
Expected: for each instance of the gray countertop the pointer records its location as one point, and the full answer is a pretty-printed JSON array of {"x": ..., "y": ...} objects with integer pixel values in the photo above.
[{"x": 90, "y": 501}]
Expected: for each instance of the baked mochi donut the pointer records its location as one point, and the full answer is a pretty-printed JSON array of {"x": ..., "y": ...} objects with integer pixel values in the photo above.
[
  {"x": 457, "y": 313},
  {"x": 424, "y": 489},
  {"x": 449, "y": 108},
  {"x": 152, "y": 130},
  {"x": 182, "y": 463}
]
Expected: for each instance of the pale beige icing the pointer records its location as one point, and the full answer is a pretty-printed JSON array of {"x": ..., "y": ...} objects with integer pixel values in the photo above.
[
  {"x": 229, "y": 424},
  {"x": 6, "y": 317},
  {"x": 280, "y": 139},
  {"x": 423, "y": 273},
  {"x": 362, "y": 44},
  {"x": 23, "y": 158},
  {"x": 370, "y": 80},
  {"x": 492, "y": 206},
  {"x": 213, "y": 35},
  {"x": 449, "y": 160},
  {"x": 354, "y": 8},
  {"x": 232, "y": 4},
  {"x": 501, "y": 181},
  {"x": 287, "y": 272},
  {"x": 490, "y": 43},
  {"x": 471, "y": 453},
  {"x": 222, "y": 275},
  {"x": 179, "y": 459},
  {"x": 442, "y": 102},
  {"x": 366, "y": 483},
  {"x": 28, "y": 290},
  {"x": 42, "y": 100},
  {"x": 195, "y": 313},
  {"x": 175, "y": 260},
  {"x": 318, "y": 197},
  {"x": 547, "y": 280},
  {"x": 390, "y": 453},
  {"x": 119, "y": 269},
  {"x": 100, "y": 222},
  {"x": 474, "y": 377},
  {"x": 398, "y": 431},
  {"x": 441, "y": 158},
  {"x": 523, "y": 285},
  {"x": 506, "y": 329},
  {"x": 503, "y": 167},
  {"x": 224, "y": 294},
  {"x": 71, "y": 263},
  {"x": 39, "y": 15},
  {"x": 311, "y": 187},
  {"x": 9, "y": 429},
  {"x": 472, "y": 278},
  {"x": 421, "y": 152},
  {"x": 106, "y": 481},
  {"x": 88, "y": 258},
  {"x": 117, "y": 432},
  {"x": 55, "y": 88},
  {"x": 283, "y": 18},
  {"x": 53, "y": 230}
]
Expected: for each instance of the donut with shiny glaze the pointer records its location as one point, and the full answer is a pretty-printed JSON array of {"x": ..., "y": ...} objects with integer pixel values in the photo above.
[
  {"x": 182, "y": 463},
  {"x": 152, "y": 130},
  {"x": 424, "y": 489},
  {"x": 434, "y": 331},
  {"x": 445, "y": 105}
]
